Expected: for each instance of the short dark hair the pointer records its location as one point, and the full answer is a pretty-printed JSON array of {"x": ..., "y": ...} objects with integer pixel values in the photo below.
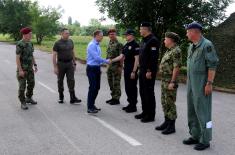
[
  {"x": 112, "y": 31},
  {"x": 97, "y": 32},
  {"x": 63, "y": 29}
]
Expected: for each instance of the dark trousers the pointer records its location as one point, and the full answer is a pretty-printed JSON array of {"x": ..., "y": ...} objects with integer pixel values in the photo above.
[
  {"x": 130, "y": 87},
  {"x": 93, "y": 74},
  {"x": 147, "y": 94},
  {"x": 66, "y": 68}
]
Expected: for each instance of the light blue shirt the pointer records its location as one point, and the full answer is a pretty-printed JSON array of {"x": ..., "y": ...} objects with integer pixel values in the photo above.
[{"x": 94, "y": 54}]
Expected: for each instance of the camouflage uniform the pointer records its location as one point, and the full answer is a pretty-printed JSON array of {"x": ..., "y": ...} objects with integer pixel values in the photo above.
[
  {"x": 25, "y": 50},
  {"x": 171, "y": 59},
  {"x": 115, "y": 69}
]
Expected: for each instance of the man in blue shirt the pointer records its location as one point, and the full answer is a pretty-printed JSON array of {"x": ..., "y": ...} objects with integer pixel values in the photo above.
[{"x": 94, "y": 61}]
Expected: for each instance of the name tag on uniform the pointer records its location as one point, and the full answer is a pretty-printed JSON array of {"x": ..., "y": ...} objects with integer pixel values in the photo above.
[
  {"x": 129, "y": 47},
  {"x": 153, "y": 48}
]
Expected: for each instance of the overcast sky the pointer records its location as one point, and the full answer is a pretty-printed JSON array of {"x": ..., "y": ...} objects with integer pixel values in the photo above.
[{"x": 84, "y": 10}]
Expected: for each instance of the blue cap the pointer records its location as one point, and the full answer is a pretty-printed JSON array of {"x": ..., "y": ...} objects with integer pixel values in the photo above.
[
  {"x": 129, "y": 32},
  {"x": 194, "y": 25}
]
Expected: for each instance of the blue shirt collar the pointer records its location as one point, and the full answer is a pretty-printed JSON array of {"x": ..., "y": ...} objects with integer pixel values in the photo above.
[{"x": 96, "y": 42}]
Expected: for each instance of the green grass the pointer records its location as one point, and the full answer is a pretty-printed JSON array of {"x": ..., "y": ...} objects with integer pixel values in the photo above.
[{"x": 80, "y": 43}]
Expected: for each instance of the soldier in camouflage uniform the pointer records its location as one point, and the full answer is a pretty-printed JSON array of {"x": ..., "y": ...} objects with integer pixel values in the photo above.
[
  {"x": 115, "y": 69},
  {"x": 25, "y": 72},
  {"x": 169, "y": 69}
]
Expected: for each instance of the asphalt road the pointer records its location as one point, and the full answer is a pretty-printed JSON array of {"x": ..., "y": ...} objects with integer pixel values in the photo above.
[{"x": 50, "y": 128}]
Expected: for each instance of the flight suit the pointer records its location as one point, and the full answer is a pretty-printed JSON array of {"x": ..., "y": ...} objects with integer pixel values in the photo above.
[{"x": 201, "y": 58}]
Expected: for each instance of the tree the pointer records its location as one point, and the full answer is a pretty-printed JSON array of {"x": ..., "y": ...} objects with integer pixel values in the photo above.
[
  {"x": 95, "y": 23},
  {"x": 14, "y": 14},
  {"x": 44, "y": 21},
  {"x": 165, "y": 15},
  {"x": 70, "y": 21}
]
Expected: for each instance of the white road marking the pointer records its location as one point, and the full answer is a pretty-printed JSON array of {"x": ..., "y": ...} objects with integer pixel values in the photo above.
[
  {"x": 119, "y": 133},
  {"x": 47, "y": 87},
  {"x": 61, "y": 131}
]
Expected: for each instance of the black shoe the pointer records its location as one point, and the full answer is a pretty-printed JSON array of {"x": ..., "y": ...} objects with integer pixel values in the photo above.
[
  {"x": 163, "y": 125},
  {"x": 30, "y": 100},
  {"x": 201, "y": 146},
  {"x": 115, "y": 102},
  {"x": 24, "y": 106},
  {"x": 92, "y": 111},
  {"x": 109, "y": 101},
  {"x": 98, "y": 109},
  {"x": 147, "y": 119},
  {"x": 131, "y": 109},
  {"x": 190, "y": 141},
  {"x": 124, "y": 108},
  {"x": 61, "y": 101},
  {"x": 170, "y": 128},
  {"x": 75, "y": 100},
  {"x": 139, "y": 116}
]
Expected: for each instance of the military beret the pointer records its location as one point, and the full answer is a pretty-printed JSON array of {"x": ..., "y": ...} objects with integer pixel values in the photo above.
[
  {"x": 145, "y": 24},
  {"x": 194, "y": 25},
  {"x": 129, "y": 32},
  {"x": 175, "y": 37},
  {"x": 25, "y": 30}
]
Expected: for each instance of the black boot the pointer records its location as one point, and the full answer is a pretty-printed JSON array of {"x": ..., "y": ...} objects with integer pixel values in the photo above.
[
  {"x": 115, "y": 102},
  {"x": 74, "y": 99},
  {"x": 109, "y": 101},
  {"x": 200, "y": 146},
  {"x": 131, "y": 109},
  {"x": 164, "y": 125},
  {"x": 24, "y": 106},
  {"x": 170, "y": 128},
  {"x": 30, "y": 100},
  {"x": 61, "y": 98}
]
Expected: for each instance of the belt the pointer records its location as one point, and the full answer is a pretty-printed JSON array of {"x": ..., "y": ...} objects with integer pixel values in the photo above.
[{"x": 65, "y": 61}]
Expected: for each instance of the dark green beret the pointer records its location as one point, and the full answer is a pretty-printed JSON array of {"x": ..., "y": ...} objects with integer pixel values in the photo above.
[{"x": 175, "y": 37}]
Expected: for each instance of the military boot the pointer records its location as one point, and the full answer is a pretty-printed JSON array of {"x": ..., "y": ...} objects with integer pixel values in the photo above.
[
  {"x": 115, "y": 102},
  {"x": 30, "y": 100},
  {"x": 24, "y": 106},
  {"x": 74, "y": 99},
  {"x": 164, "y": 125},
  {"x": 61, "y": 98},
  {"x": 170, "y": 128}
]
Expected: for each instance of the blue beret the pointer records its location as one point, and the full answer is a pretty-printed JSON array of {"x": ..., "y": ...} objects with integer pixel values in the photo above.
[
  {"x": 194, "y": 25},
  {"x": 145, "y": 24}
]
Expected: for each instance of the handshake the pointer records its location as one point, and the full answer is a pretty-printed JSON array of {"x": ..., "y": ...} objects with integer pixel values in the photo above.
[{"x": 109, "y": 61}]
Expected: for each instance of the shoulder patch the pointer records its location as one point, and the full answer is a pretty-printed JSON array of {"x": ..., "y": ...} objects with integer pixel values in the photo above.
[
  {"x": 153, "y": 48},
  {"x": 209, "y": 49}
]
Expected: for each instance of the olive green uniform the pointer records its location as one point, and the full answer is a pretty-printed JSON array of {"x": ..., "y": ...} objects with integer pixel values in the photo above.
[
  {"x": 201, "y": 58},
  {"x": 115, "y": 69},
  {"x": 25, "y": 51},
  {"x": 170, "y": 60}
]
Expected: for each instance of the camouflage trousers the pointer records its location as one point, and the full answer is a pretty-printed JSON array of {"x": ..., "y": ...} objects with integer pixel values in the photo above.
[
  {"x": 114, "y": 78},
  {"x": 168, "y": 98},
  {"x": 26, "y": 81}
]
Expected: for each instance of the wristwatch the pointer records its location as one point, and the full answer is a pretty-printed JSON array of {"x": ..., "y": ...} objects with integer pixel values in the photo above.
[{"x": 209, "y": 83}]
